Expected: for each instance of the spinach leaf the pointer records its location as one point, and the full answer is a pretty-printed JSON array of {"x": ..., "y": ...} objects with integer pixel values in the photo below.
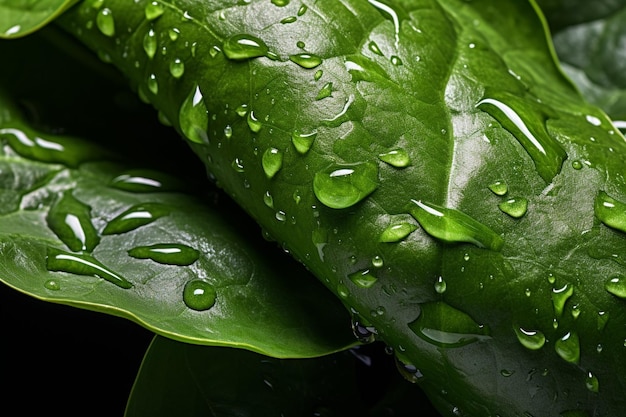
[
  {"x": 592, "y": 53},
  {"x": 94, "y": 234},
  {"x": 428, "y": 161},
  {"x": 187, "y": 380},
  {"x": 22, "y": 17}
]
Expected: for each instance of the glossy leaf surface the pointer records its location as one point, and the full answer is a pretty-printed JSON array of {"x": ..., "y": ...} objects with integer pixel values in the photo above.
[
  {"x": 71, "y": 234},
  {"x": 22, "y": 17},
  {"x": 503, "y": 314}
]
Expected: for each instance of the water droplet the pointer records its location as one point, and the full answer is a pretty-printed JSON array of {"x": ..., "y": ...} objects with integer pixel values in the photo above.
[
  {"x": 52, "y": 285},
  {"x": 342, "y": 186},
  {"x": 199, "y": 295},
  {"x": 408, "y": 371},
  {"x": 515, "y": 207},
  {"x": 237, "y": 165},
  {"x": 166, "y": 253},
  {"x": 302, "y": 10},
  {"x": 253, "y": 123},
  {"x": 153, "y": 10},
  {"x": 177, "y": 68},
  {"x": 610, "y": 211},
  {"x": 241, "y": 47},
  {"x": 280, "y": 3},
  {"x": 173, "y": 33},
  {"x": 272, "y": 162},
  {"x": 303, "y": 141},
  {"x": 342, "y": 290},
  {"x": 397, "y": 232},
  {"x": 499, "y": 188},
  {"x": 560, "y": 297},
  {"x": 228, "y": 132},
  {"x": 153, "y": 84},
  {"x": 527, "y": 125},
  {"x": 145, "y": 181},
  {"x": 363, "y": 279},
  {"x": 398, "y": 158},
  {"x": 530, "y": 339},
  {"x": 616, "y": 286},
  {"x": 395, "y": 60},
  {"x": 603, "y": 318},
  {"x": 82, "y": 264},
  {"x": 136, "y": 216},
  {"x": 105, "y": 22},
  {"x": 363, "y": 333},
  {"x": 297, "y": 197},
  {"x": 592, "y": 383},
  {"x": 194, "y": 117},
  {"x": 268, "y": 199},
  {"x": 453, "y": 226},
  {"x": 281, "y": 217},
  {"x": 575, "y": 311},
  {"x": 506, "y": 373},
  {"x": 288, "y": 19},
  {"x": 306, "y": 60},
  {"x": 318, "y": 74},
  {"x": 577, "y": 165},
  {"x": 372, "y": 46},
  {"x": 440, "y": 285},
  {"x": 70, "y": 220},
  {"x": 445, "y": 326},
  {"x": 325, "y": 91},
  {"x": 599, "y": 348},
  {"x": 593, "y": 120},
  {"x": 568, "y": 347},
  {"x": 150, "y": 43}
]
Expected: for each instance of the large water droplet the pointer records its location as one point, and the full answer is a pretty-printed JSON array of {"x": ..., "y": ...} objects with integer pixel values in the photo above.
[
  {"x": 363, "y": 279},
  {"x": 199, "y": 295},
  {"x": 153, "y": 84},
  {"x": 303, "y": 141},
  {"x": 272, "y": 162},
  {"x": 397, "y": 232},
  {"x": 568, "y": 347},
  {"x": 499, "y": 187},
  {"x": 342, "y": 186},
  {"x": 166, "y": 253},
  {"x": 240, "y": 47},
  {"x": 454, "y": 226},
  {"x": 445, "y": 326},
  {"x": 515, "y": 207},
  {"x": 440, "y": 285},
  {"x": 373, "y": 46},
  {"x": 527, "y": 125},
  {"x": 145, "y": 181},
  {"x": 560, "y": 297},
  {"x": 610, "y": 211},
  {"x": 82, "y": 264},
  {"x": 325, "y": 91},
  {"x": 254, "y": 123},
  {"x": 70, "y": 220},
  {"x": 150, "y": 43},
  {"x": 177, "y": 68},
  {"x": 194, "y": 117},
  {"x": 616, "y": 286},
  {"x": 362, "y": 332},
  {"x": 153, "y": 10},
  {"x": 52, "y": 285},
  {"x": 530, "y": 339},
  {"x": 105, "y": 22},
  {"x": 136, "y": 216},
  {"x": 280, "y": 3},
  {"x": 592, "y": 383},
  {"x": 305, "y": 60},
  {"x": 398, "y": 158}
]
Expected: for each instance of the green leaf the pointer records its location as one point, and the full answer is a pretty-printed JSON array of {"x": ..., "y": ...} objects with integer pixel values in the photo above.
[
  {"x": 22, "y": 17},
  {"x": 96, "y": 235},
  {"x": 188, "y": 380},
  {"x": 513, "y": 306},
  {"x": 589, "y": 45}
]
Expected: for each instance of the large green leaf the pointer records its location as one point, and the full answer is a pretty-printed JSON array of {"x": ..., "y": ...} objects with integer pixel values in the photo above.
[
  {"x": 128, "y": 242},
  {"x": 22, "y": 17},
  {"x": 592, "y": 52},
  {"x": 192, "y": 381},
  {"x": 428, "y": 161}
]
